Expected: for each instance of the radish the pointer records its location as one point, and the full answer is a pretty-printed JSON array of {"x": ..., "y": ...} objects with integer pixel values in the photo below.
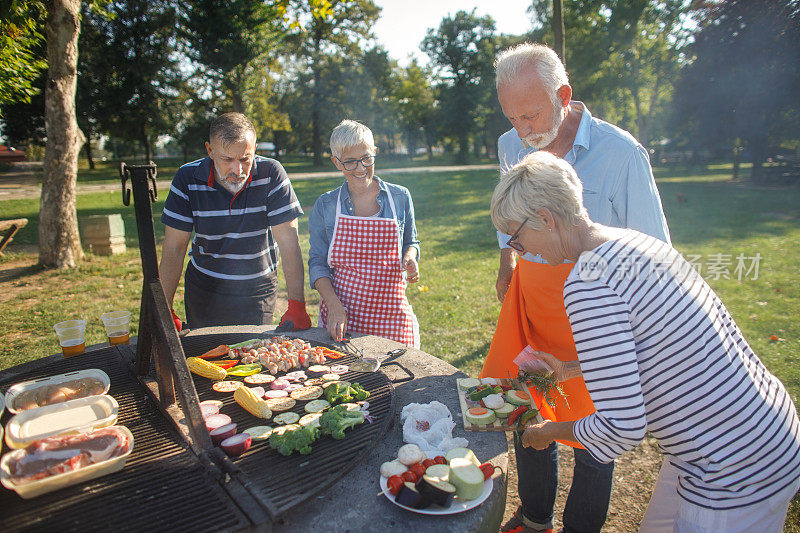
[
  {"x": 223, "y": 432},
  {"x": 237, "y": 444}
]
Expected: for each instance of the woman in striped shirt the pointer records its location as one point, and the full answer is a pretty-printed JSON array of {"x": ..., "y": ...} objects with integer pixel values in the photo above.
[{"x": 659, "y": 352}]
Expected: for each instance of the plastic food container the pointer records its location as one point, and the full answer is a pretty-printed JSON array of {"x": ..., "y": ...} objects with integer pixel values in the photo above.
[
  {"x": 74, "y": 416},
  {"x": 59, "y": 481},
  {"x": 16, "y": 390}
]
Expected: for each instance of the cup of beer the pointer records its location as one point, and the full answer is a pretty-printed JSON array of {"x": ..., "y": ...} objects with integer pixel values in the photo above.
[
  {"x": 71, "y": 336},
  {"x": 118, "y": 324}
]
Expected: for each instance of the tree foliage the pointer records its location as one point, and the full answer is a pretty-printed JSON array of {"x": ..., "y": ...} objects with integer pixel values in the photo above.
[
  {"x": 22, "y": 51},
  {"x": 743, "y": 79}
]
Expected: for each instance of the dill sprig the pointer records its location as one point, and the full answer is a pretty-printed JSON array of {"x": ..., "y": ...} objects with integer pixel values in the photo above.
[{"x": 545, "y": 384}]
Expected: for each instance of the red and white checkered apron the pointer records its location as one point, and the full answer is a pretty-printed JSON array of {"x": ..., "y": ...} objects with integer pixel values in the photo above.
[{"x": 366, "y": 255}]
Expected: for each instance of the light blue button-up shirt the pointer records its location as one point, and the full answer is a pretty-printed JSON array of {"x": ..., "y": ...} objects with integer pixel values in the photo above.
[
  {"x": 323, "y": 217},
  {"x": 618, "y": 185}
]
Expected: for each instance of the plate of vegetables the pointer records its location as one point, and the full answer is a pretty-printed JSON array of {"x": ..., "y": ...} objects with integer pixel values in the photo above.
[{"x": 434, "y": 484}]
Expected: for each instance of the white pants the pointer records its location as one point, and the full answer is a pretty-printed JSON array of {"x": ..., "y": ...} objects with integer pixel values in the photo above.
[{"x": 669, "y": 513}]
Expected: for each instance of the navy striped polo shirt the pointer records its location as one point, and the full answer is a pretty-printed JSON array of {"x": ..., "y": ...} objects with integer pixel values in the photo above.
[{"x": 232, "y": 236}]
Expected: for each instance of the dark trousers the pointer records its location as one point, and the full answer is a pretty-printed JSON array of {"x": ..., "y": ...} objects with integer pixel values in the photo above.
[
  {"x": 587, "y": 502},
  {"x": 213, "y": 302}
]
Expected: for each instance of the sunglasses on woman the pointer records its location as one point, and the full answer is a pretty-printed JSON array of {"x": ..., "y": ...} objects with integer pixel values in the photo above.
[{"x": 512, "y": 242}]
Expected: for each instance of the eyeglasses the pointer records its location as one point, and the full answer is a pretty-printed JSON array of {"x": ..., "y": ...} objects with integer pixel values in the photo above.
[
  {"x": 352, "y": 164},
  {"x": 512, "y": 242}
]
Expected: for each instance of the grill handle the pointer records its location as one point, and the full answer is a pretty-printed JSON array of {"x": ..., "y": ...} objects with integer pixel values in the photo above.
[{"x": 409, "y": 374}]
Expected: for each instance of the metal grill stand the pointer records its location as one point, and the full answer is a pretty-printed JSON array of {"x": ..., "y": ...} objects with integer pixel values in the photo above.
[{"x": 173, "y": 388}]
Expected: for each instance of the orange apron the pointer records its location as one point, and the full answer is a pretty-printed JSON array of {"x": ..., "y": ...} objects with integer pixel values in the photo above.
[{"x": 533, "y": 314}]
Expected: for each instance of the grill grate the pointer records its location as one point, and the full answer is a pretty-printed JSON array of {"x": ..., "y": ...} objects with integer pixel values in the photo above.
[
  {"x": 288, "y": 481},
  {"x": 162, "y": 483}
]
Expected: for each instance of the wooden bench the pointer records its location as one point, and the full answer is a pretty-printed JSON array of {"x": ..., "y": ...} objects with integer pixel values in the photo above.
[{"x": 10, "y": 227}]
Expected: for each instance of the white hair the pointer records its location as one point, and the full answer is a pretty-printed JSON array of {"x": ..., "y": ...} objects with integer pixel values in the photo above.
[
  {"x": 512, "y": 63},
  {"x": 541, "y": 180},
  {"x": 348, "y": 134}
]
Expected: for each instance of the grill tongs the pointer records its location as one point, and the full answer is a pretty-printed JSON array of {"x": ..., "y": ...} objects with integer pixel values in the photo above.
[{"x": 366, "y": 364}]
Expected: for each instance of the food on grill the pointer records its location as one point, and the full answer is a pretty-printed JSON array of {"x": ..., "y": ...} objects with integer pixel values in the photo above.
[
  {"x": 209, "y": 409},
  {"x": 280, "y": 404},
  {"x": 293, "y": 438},
  {"x": 237, "y": 444},
  {"x": 307, "y": 393},
  {"x": 215, "y": 421},
  {"x": 297, "y": 376},
  {"x": 244, "y": 370},
  {"x": 280, "y": 383},
  {"x": 215, "y": 403},
  {"x": 480, "y": 416},
  {"x": 518, "y": 397},
  {"x": 392, "y": 468},
  {"x": 314, "y": 381},
  {"x": 223, "y": 432},
  {"x": 331, "y": 377},
  {"x": 245, "y": 397},
  {"x": 410, "y": 454},
  {"x": 279, "y": 354},
  {"x": 258, "y": 391},
  {"x": 226, "y": 386},
  {"x": 336, "y": 420},
  {"x": 318, "y": 370},
  {"x": 58, "y": 455},
  {"x": 259, "y": 379},
  {"x": 286, "y": 418},
  {"x": 469, "y": 383},
  {"x": 410, "y": 497},
  {"x": 326, "y": 384},
  {"x": 310, "y": 419},
  {"x": 494, "y": 401},
  {"x": 466, "y": 477},
  {"x": 461, "y": 453},
  {"x": 316, "y": 406},
  {"x": 339, "y": 369},
  {"x": 48, "y": 394},
  {"x": 293, "y": 387},
  {"x": 225, "y": 363},
  {"x": 343, "y": 392},
  {"x": 437, "y": 490},
  {"x": 276, "y": 394},
  {"x": 259, "y": 432},
  {"x": 203, "y": 368},
  {"x": 220, "y": 351}
]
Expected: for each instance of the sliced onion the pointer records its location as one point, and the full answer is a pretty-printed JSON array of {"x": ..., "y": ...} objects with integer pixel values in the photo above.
[
  {"x": 236, "y": 445},
  {"x": 217, "y": 420}
]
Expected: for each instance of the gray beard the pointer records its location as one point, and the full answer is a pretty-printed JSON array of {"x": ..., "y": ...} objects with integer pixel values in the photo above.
[
  {"x": 537, "y": 142},
  {"x": 232, "y": 188}
]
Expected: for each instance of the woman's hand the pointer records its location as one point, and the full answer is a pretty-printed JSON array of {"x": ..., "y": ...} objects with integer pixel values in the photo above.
[
  {"x": 562, "y": 370},
  {"x": 410, "y": 266},
  {"x": 537, "y": 436},
  {"x": 337, "y": 320}
]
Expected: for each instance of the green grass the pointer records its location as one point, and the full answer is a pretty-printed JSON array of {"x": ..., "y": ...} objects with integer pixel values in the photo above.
[{"x": 457, "y": 309}]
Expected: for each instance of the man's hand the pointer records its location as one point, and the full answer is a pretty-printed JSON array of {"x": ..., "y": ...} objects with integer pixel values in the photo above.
[
  {"x": 411, "y": 267},
  {"x": 538, "y": 436},
  {"x": 337, "y": 320},
  {"x": 297, "y": 315},
  {"x": 504, "y": 273}
]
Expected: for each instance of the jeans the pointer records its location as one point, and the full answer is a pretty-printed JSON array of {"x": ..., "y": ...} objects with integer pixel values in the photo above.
[{"x": 587, "y": 502}]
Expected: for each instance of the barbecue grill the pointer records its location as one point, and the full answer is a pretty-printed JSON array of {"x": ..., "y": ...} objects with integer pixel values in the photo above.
[{"x": 174, "y": 475}]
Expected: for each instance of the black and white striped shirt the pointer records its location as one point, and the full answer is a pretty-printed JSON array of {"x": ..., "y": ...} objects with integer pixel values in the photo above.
[
  {"x": 232, "y": 236},
  {"x": 659, "y": 351}
]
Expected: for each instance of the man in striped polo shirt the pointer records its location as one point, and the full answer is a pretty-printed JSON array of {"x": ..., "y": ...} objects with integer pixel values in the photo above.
[{"x": 242, "y": 210}]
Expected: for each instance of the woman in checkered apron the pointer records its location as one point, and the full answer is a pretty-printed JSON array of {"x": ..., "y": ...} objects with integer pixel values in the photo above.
[{"x": 364, "y": 246}]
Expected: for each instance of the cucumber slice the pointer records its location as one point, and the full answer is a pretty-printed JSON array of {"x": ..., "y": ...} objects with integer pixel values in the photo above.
[
  {"x": 259, "y": 432},
  {"x": 514, "y": 397},
  {"x": 462, "y": 453},
  {"x": 467, "y": 478},
  {"x": 467, "y": 383},
  {"x": 438, "y": 471},
  {"x": 504, "y": 411},
  {"x": 286, "y": 418},
  {"x": 480, "y": 416}
]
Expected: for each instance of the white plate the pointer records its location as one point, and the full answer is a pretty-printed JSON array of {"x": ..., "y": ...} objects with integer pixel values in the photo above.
[{"x": 458, "y": 506}]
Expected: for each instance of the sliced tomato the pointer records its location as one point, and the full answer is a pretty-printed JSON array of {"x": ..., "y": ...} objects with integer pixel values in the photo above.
[
  {"x": 418, "y": 469},
  {"x": 440, "y": 460},
  {"x": 428, "y": 462},
  {"x": 395, "y": 483}
]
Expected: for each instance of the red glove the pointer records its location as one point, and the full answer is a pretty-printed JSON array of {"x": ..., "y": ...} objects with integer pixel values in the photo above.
[
  {"x": 296, "y": 314},
  {"x": 178, "y": 323}
]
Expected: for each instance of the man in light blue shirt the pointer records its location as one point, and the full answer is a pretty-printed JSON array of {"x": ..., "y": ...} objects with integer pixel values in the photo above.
[{"x": 618, "y": 190}]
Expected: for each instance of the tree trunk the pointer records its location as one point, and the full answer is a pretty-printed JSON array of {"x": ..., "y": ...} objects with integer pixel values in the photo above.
[
  {"x": 88, "y": 147},
  {"x": 59, "y": 240},
  {"x": 558, "y": 30},
  {"x": 736, "y": 152},
  {"x": 316, "y": 103},
  {"x": 148, "y": 148}
]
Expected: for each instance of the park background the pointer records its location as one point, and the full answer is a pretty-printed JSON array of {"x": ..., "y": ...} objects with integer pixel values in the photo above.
[{"x": 710, "y": 88}]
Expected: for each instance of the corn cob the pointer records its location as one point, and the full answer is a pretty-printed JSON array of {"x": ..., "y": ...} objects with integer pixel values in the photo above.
[
  {"x": 205, "y": 369},
  {"x": 245, "y": 397}
]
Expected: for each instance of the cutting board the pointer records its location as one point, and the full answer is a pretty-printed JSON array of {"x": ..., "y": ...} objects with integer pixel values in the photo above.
[{"x": 497, "y": 425}]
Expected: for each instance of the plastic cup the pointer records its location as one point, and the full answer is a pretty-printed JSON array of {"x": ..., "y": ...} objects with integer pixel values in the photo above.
[
  {"x": 117, "y": 325},
  {"x": 71, "y": 336}
]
